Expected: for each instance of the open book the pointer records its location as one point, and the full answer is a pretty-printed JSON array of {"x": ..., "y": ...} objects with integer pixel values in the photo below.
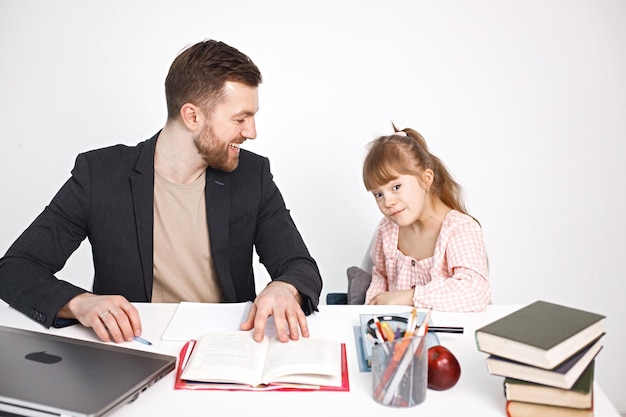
[{"x": 233, "y": 360}]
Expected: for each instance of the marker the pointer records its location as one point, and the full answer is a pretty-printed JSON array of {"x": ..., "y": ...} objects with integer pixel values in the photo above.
[
  {"x": 142, "y": 340},
  {"x": 379, "y": 330},
  {"x": 445, "y": 329}
]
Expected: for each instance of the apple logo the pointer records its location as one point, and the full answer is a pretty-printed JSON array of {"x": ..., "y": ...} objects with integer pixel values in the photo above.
[{"x": 43, "y": 357}]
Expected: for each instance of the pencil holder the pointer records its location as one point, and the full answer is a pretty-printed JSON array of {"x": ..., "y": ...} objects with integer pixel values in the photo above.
[{"x": 400, "y": 372}]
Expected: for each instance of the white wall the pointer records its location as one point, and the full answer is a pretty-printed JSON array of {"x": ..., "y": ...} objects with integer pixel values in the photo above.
[{"x": 525, "y": 100}]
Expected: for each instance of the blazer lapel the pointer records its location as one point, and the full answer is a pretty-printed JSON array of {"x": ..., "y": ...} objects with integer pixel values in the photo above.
[
  {"x": 142, "y": 185},
  {"x": 217, "y": 194}
]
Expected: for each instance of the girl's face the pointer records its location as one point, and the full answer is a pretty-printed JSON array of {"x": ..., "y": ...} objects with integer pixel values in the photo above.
[{"x": 401, "y": 200}]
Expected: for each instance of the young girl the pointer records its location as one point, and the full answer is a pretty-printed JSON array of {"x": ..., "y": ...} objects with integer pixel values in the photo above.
[{"x": 428, "y": 252}]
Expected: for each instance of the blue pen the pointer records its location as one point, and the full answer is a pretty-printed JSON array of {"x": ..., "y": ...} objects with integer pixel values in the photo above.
[{"x": 142, "y": 340}]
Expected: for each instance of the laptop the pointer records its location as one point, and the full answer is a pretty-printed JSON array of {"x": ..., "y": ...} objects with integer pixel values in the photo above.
[{"x": 48, "y": 375}]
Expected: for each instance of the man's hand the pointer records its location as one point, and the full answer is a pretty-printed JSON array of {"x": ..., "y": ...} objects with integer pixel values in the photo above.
[
  {"x": 404, "y": 297},
  {"x": 112, "y": 317},
  {"x": 281, "y": 300}
]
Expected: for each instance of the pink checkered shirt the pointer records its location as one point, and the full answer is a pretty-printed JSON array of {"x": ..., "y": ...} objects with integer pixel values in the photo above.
[{"x": 455, "y": 278}]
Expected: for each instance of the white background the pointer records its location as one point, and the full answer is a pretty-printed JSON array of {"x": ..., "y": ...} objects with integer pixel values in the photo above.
[{"x": 525, "y": 101}]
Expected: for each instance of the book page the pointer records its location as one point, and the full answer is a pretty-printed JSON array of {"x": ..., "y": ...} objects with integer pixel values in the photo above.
[
  {"x": 304, "y": 361},
  {"x": 233, "y": 357}
]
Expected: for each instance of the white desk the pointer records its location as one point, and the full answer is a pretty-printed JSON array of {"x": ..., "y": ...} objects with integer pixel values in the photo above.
[{"x": 477, "y": 392}]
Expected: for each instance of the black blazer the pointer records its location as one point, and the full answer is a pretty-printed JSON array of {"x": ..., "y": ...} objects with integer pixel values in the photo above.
[{"x": 109, "y": 200}]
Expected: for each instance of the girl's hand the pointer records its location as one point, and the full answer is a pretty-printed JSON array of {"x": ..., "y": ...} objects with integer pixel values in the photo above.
[{"x": 404, "y": 297}]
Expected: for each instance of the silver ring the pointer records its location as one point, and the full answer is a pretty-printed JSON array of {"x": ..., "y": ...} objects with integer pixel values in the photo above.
[{"x": 104, "y": 314}]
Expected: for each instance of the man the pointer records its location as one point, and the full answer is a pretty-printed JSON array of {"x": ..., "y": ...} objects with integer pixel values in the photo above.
[{"x": 175, "y": 218}]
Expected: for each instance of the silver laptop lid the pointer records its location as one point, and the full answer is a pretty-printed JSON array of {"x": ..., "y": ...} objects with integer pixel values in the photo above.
[{"x": 48, "y": 375}]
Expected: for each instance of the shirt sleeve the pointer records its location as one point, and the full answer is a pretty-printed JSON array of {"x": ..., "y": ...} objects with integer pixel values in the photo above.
[{"x": 379, "y": 275}]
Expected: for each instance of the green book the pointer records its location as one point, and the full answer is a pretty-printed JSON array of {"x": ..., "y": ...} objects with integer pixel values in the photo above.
[
  {"x": 541, "y": 334},
  {"x": 579, "y": 396}
]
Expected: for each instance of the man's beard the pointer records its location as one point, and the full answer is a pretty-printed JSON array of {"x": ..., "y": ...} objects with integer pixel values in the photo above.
[{"x": 217, "y": 155}]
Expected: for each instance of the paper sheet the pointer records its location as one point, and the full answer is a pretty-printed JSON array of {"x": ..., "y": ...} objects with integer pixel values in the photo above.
[{"x": 192, "y": 320}]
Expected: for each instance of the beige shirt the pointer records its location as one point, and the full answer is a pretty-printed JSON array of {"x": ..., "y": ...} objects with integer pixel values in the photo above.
[{"x": 183, "y": 267}]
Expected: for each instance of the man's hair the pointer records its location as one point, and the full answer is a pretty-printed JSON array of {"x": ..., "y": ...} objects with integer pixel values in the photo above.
[{"x": 198, "y": 75}]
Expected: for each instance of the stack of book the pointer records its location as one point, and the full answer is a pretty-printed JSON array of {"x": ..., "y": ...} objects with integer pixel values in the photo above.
[{"x": 546, "y": 353}]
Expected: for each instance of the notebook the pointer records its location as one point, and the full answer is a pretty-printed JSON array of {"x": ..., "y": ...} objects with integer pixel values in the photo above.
[{"x": 49, "y": 375}]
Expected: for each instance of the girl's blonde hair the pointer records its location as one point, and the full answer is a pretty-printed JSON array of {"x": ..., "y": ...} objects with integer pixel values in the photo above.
[{"x": 405, "y": 153}]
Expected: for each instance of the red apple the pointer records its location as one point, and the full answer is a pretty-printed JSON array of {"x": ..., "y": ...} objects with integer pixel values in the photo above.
[{"x": 444, "y": 369}]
